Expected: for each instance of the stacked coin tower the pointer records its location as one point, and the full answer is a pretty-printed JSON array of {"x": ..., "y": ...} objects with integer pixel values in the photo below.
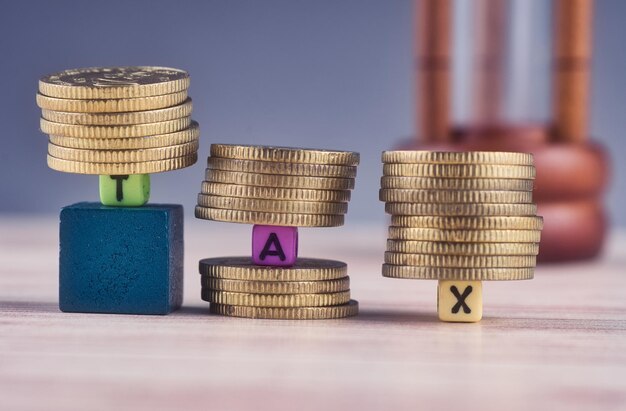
[
  {"x": 460, "y": 218},
  {"x": 278, "y": 189},
  {"x": 121, "y": 123}
]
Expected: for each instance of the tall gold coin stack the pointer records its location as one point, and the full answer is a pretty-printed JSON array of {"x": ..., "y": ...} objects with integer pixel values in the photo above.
[
  {"x": 118, "y": 120},
  {"x": 278, "y": 188},
  {"x": 460, "y": 216}
]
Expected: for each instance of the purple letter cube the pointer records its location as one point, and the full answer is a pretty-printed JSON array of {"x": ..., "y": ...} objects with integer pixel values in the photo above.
[{"x": 274, "y": 245}]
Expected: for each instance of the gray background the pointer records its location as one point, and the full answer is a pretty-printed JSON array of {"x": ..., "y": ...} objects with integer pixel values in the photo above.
[{"x": 328, "y": 74}]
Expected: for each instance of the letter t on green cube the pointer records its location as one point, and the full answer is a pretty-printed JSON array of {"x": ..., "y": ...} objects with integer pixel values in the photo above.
[{"x": 125, "y": 190}]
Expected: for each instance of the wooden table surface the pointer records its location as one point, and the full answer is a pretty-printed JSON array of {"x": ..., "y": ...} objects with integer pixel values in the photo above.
[{"x": 557, "y": 342}]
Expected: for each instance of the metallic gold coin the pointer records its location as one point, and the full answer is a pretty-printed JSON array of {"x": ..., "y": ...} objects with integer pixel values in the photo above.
[
  {"x": 459, "y": 171},
  {"x": 282, "y": 168},
  {"x": 136, "y": 130},
  {"x": 275, "y": 300},
  {"x": 120, "y": 119},
  {"x": 276, "y": 287},
  {"x": 269, "y": 180},
  {"x": 123, "y": 156},
  {"x": 271, "y": 206},
  {"x": 469, "y": 157},
  {"x": 469, "y": 223},
  {"x": 454, "y": 196},
  {"x": 459, "y": 274},
  {"x": 113, "y": 82},
  {"x": 295, "y": 194},
  {"x": 288, "y": 313},
  {"x": 267, "y": 218},
  {"x": 148, "y": 167},
  {"x": 111, "y": 105},
  {"x": 432, "y": 183},
  {"x": 242, "y": 268},
  {"x": 285, "y": 154},
  {"x": 187, "y": 135},
  {"x": 464, "y": 236},
  {"x": 447, "y": 248},
  {"x": 456, "y": 261},
  {"x": 464, "y": 209}
]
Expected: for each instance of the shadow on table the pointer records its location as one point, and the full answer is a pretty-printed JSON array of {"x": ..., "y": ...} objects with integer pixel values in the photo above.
[
  {"x": 29, "y": 307},
  {"x": 379, "y": 315}
]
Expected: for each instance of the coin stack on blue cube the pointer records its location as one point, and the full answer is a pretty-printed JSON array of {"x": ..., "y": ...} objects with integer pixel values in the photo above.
[{"x": 120, "y": 255}]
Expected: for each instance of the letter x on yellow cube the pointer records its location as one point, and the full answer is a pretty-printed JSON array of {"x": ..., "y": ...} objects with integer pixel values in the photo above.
[{"x": 460, "y": 301}]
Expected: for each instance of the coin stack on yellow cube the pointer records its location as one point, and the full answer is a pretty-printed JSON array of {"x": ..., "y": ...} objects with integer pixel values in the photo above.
[
  {"x": 278, "y": 189},
  {"x": 121, "y": 123},
  {"x": 460, "y": 218}
]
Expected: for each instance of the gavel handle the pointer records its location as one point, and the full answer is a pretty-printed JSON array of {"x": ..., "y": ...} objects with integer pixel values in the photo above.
[{"x": 572, "y": 69}]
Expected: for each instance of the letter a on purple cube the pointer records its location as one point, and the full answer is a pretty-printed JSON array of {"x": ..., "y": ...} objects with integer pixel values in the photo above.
[{"x": 274, "y": 245}]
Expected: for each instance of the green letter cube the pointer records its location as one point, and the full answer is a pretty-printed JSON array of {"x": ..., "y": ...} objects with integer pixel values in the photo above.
[{"x": 125, "y": 190}]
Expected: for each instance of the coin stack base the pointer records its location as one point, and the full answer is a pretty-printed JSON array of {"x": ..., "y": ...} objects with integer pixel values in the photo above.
[
  {"x": 460, "y": 218},
  {"x": 121, "y": 260},
  {"x": 310, "y": 289}
]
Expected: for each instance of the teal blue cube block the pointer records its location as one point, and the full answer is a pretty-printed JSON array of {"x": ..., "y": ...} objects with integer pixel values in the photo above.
[{"x": 121, "y": 260}]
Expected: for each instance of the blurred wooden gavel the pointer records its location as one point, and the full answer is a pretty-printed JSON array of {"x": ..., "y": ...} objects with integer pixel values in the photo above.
[{"x": 572, "y": 172}]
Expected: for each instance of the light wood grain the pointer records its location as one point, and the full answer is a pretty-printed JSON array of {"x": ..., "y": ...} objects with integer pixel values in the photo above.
[{"x": 557, "y": 342}]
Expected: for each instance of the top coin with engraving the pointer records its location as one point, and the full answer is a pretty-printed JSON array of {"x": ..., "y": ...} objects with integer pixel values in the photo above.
[
  {"x": 451, "y": 157},
  {"x": 285, "y": 154},
  {"x": 114, "y": 82}
]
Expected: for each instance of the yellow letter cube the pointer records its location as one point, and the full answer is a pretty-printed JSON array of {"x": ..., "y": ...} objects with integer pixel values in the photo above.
[{"x": 460, "y": 301}]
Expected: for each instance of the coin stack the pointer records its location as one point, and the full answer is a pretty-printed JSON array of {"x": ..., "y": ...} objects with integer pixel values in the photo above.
[
  {"x": 277, "y": 189},
  {"x": 460, "y": 217},
  {"x": 118, "y": 120},
  {"x": 119, "y": 255}
]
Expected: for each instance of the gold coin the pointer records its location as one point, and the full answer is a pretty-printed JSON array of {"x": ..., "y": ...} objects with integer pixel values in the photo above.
[
  {"x": 136, "y": 130},
  {"x": 458, "y": 274},
  {"x": 432, "y": 183},
  {"x": 114, "y": 82},
  {"x": 464, "y": 236},
  {"x": 285, "y": 154},
  {"x": 469, "y": 223},
  {"x": 163, "y": 140},
  {"x": 282, "y": 168},
  {"x": 447, "y": 248},
  {"x": 242, "y": 268},
  {"x": 268, "y": 218},
  {"x": 454, "y": 196},
  {"x": 459, "y": 171},
  {"x": 295, "y": 194},
  {"x": 456, "y": 261},
  {"x": 276, "y": 287},
  {"x": 469, "y": 157},
  {"x": 123, "y": 156},
  {"x": 269, "y": 180},
  {"x": 111, "y": 105},
  {"x": 349, "y": 309},
  {"x": 271, "y": 206},
  {"x": 147, "y": 167},
  {"x": 275, "y": 300},
  {"x": 452, "y": 209},
  {"x": 119, "y": 119}
]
